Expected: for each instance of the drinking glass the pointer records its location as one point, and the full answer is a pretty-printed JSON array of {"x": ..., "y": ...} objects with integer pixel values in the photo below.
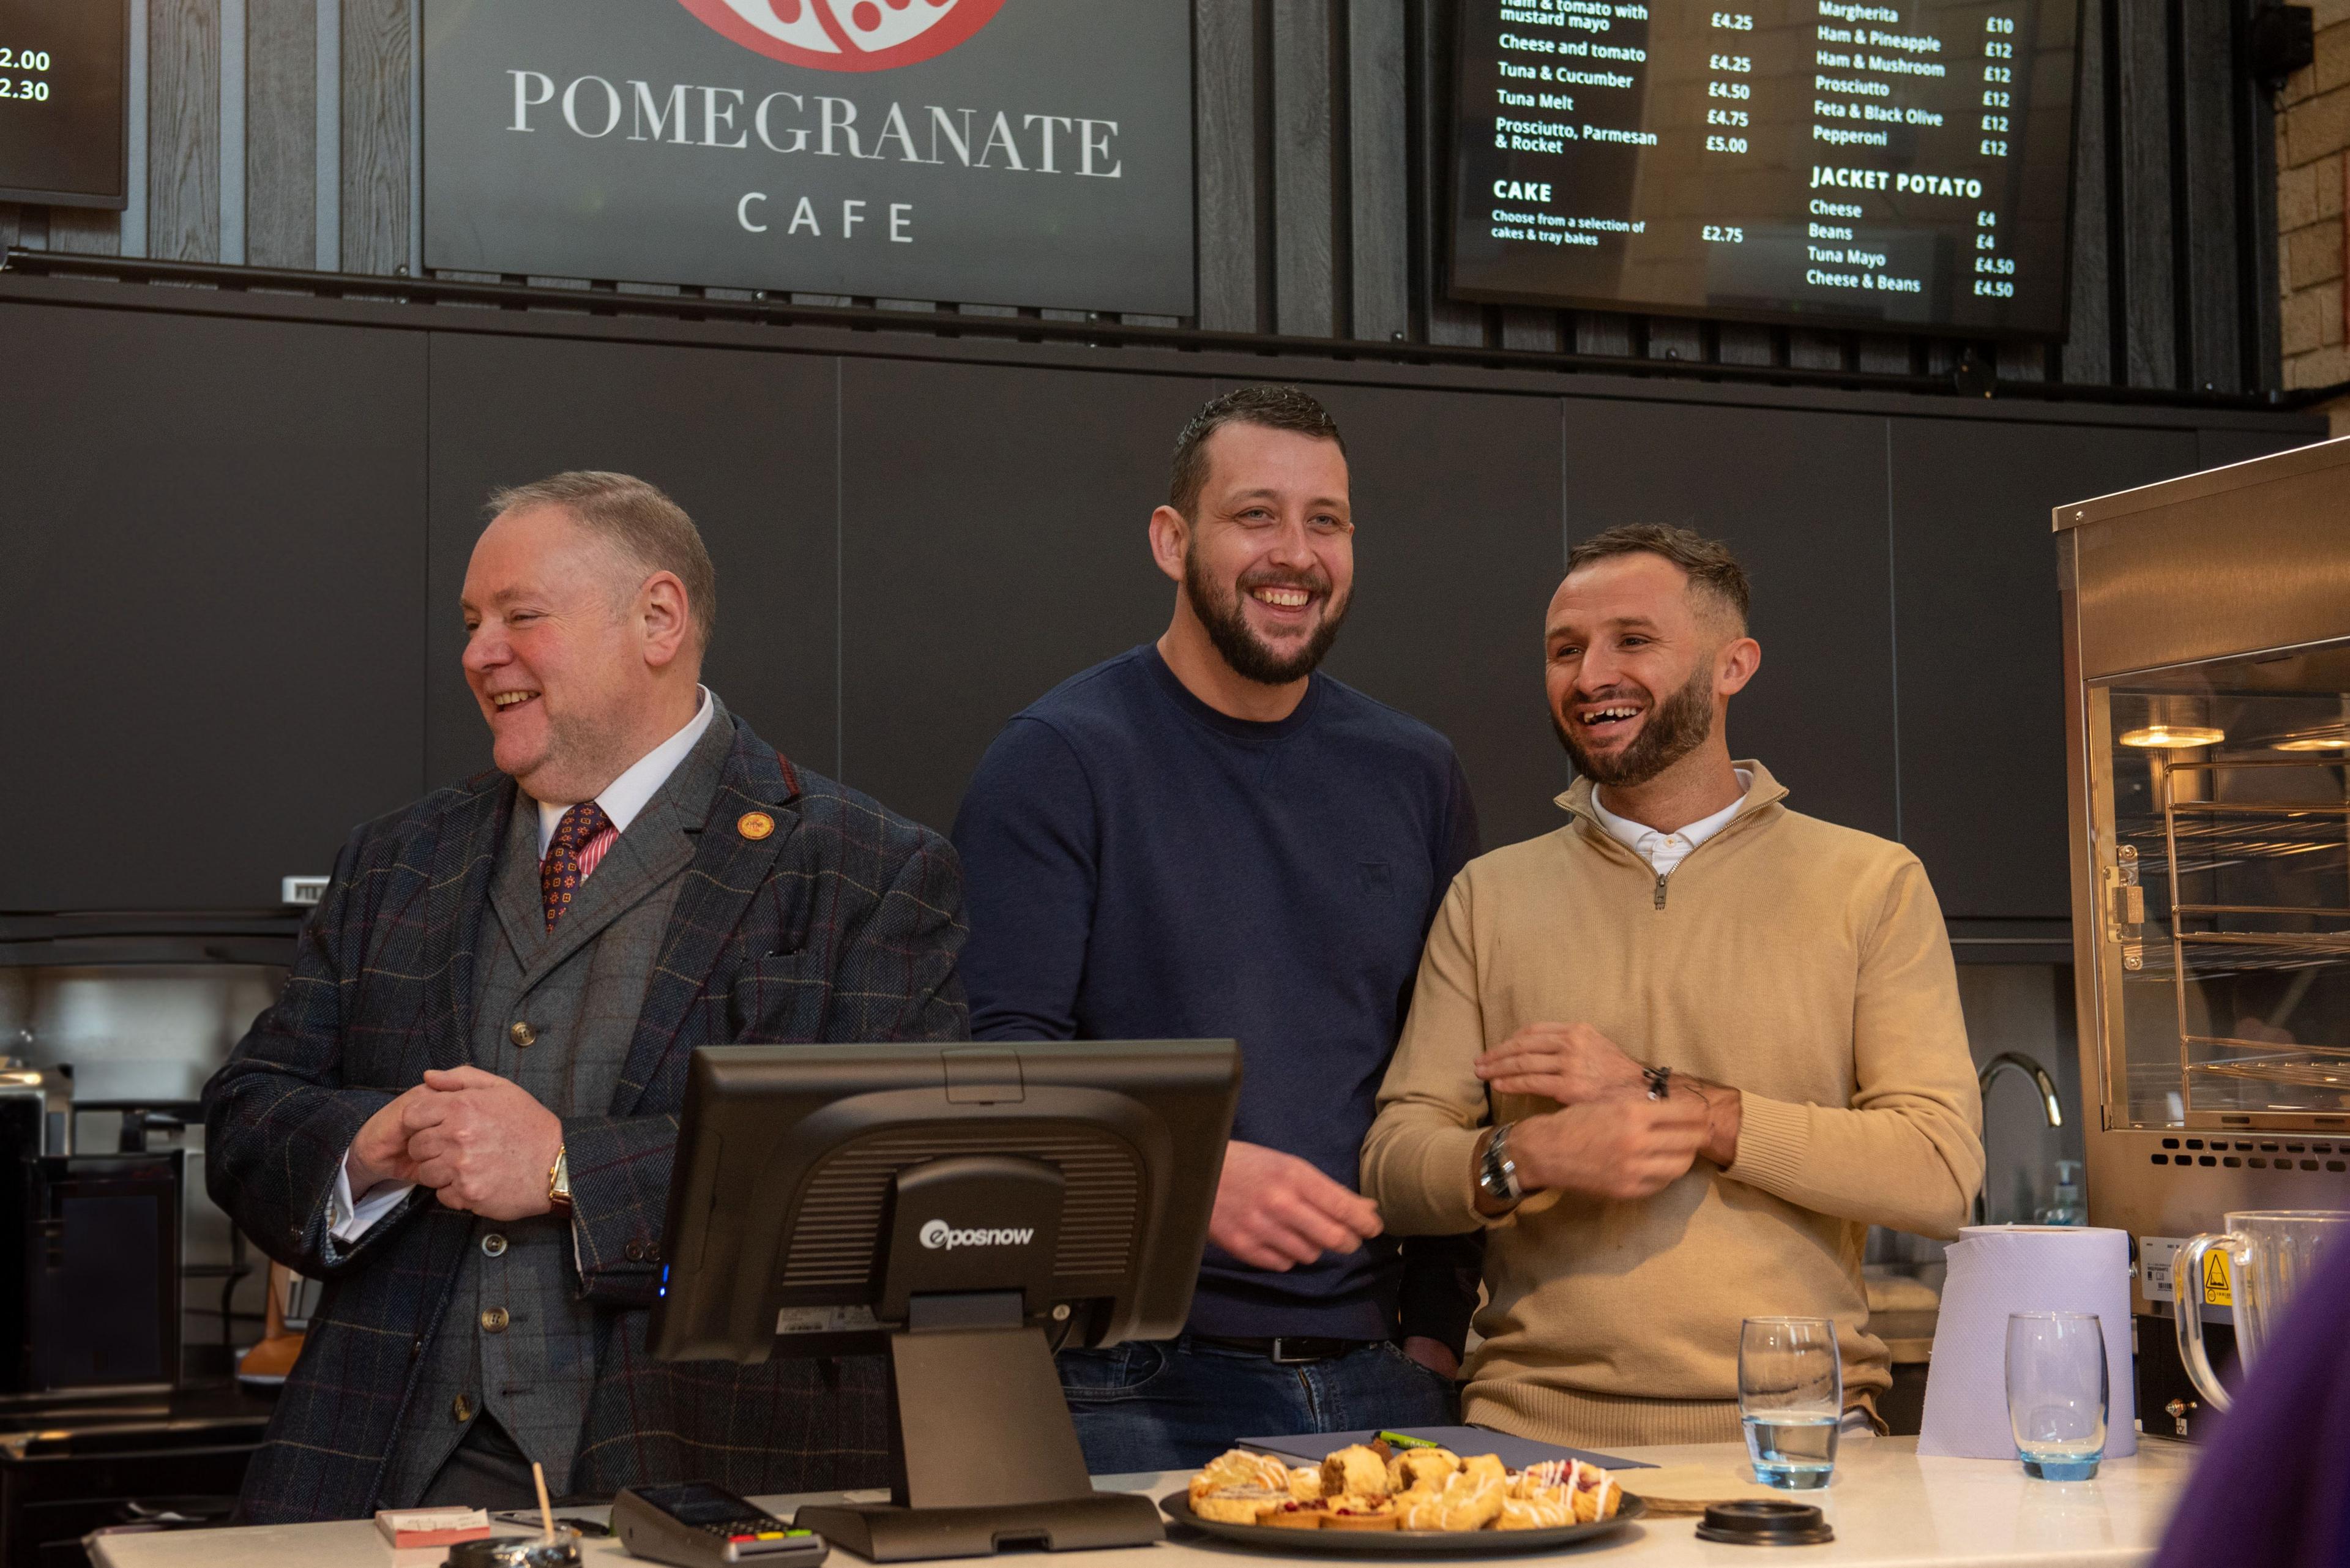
[
  {"x": 1791, "y": 1399},
  {"x": 2057, "y": 1394}
]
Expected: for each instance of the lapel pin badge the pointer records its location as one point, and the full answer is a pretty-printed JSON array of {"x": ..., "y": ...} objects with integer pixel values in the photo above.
[{"x": 755, "y": 824}]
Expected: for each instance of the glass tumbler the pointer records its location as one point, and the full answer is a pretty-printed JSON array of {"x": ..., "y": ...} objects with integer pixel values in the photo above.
[
  {"x": 2057, "y": 1394},
  {"x": 1791, "y": 1399}
]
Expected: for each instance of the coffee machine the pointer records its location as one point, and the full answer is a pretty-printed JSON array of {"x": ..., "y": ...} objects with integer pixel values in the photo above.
[{"x": 2207, "y": 665}]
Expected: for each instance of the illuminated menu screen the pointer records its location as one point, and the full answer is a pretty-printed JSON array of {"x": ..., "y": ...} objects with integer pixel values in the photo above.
[
  {"x": 63, "y": 64},
  {"x": 1898, "y": 163}
]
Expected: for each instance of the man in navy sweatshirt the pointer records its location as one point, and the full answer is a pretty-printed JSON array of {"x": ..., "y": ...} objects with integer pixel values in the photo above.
[{"x": 1205, "y": 839}]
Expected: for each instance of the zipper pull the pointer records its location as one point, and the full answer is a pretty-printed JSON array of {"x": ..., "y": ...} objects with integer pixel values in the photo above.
[{"x": 1660, "y": 892}]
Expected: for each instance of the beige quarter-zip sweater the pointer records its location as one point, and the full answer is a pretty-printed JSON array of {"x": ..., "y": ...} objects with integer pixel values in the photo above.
[{"x": 1803, "y": 963}]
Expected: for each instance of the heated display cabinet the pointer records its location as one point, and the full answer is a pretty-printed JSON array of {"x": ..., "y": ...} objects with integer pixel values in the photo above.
[{"x": 2207, "y": 645}]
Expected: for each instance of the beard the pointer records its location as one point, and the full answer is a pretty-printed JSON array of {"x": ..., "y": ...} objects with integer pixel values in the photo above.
[
  {"x": 1251, "y": 657},
  {"x": 1674, "y": 728}
]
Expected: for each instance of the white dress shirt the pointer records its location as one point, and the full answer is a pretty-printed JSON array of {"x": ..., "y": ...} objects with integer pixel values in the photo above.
[
  {"x": 1663, "y": 851},
  {"x": 623, "y": 800}
]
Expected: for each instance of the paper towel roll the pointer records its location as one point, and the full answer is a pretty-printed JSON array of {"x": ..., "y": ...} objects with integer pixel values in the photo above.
[{"x": 1996, "y": 1269}]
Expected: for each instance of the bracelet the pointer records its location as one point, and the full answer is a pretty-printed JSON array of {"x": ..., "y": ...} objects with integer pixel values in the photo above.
[
  {"x": 1660, "y": 1080},
  {"x": 1497, "y": 1173}
]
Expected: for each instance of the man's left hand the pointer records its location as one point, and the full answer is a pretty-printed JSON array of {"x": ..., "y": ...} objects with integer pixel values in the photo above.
[
  {"x": 483, "y": 1144},
  {"x": 1434, "y": 1354},
  {"x": 1572, "y": 1063}
]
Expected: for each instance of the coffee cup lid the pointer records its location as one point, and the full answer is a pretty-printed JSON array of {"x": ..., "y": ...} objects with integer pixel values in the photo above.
[{"x": 1765, "y": 1523}]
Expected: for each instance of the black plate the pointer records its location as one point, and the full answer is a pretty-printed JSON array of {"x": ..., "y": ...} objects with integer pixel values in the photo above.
[{"x": 1177, "y": 1506}]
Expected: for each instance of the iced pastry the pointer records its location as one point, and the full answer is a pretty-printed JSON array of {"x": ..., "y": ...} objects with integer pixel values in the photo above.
[
  {"x": 1241, "y": 1467},
  {"x": 1542, "y": 1509},
  {"x": 1472, "y": 1500}
]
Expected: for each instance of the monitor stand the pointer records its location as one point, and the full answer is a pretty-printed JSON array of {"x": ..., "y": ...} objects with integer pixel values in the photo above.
[{"x": 982, "y": 1452}]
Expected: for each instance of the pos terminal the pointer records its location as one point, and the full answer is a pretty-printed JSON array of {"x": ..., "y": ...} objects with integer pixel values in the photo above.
[{"x": 964, "y": 1211}]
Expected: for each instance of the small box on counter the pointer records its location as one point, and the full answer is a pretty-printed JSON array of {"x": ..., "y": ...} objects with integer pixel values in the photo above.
[{"x": 405, "y": 1527}]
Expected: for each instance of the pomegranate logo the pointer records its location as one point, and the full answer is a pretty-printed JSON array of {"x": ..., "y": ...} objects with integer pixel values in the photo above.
[{"x": 846, "y": 34}]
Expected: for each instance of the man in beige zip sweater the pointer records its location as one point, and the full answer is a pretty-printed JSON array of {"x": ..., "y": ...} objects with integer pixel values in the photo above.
[{"x": 1714, "y": 1040}]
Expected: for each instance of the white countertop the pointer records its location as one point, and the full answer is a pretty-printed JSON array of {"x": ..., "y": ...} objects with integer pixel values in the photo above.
[{"x": 1888, "y": 1507}]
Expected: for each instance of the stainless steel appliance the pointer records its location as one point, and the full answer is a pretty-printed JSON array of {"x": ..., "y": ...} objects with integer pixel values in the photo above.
[{"x": 2206, "y": 650}]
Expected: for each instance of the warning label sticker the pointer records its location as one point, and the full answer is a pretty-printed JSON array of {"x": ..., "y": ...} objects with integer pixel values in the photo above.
[{"x": 2215, "y": 1280}]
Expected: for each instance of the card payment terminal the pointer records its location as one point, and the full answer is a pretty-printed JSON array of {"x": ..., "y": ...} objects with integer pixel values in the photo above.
[{"x": 697, "y": 1524}]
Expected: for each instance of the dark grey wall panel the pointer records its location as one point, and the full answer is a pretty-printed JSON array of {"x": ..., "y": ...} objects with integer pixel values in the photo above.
[
  {"x": 744, "y": 443},
  {"x": 209, "y": 623},
  {"x": 1981, "y": 668},
  {"x": 1457, "y": 549},
  {"x": 995, "y": 543},
  {"x": 1801, "y": 498},
  {"x": 2217, "y": 449}
]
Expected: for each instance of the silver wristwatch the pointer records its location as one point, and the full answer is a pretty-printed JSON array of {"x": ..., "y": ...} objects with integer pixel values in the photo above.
[{"x": 1497, "y": 1173}]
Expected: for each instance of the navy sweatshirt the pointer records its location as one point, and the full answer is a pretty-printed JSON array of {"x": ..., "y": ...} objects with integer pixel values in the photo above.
[{"x": 1137, "y": 866}]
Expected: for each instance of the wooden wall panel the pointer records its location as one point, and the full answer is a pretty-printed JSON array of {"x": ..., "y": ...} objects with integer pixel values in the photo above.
[
  {"x": 85, "y": 231},
  {"x": 1304, "y": 192},
  {"x": 281, "y": 132},
  {"x": 183, "y": 130},
  {"x": 1379, "y": 177},
  {"x": 1444, "y": 319},
  {"x": 2142, "y": 119},
  {"x": 1224, "y": 45},
  {"x": 2208, "y": 207},
  {"x": 376, "y": 52},
  {"x": 2087, "y": 352}
]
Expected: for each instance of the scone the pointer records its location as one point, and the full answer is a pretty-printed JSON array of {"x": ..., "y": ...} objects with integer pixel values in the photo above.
[
  {"x": 1361, "y": 1512},
  {"x": 1294, "y": 1515},
  {"x": 1417, "y": 1467},
  {"x": 1305, "y": 1482},
  {"x": 1355, "y": 1471},
  {"x": 1240, "y": 1467},
  {"x": 1541, "y": 1510},
  {"x": 1237, "y": 1504}
]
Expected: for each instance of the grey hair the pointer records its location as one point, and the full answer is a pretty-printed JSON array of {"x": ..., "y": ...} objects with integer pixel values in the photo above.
[{"x": 637, "y": 519}]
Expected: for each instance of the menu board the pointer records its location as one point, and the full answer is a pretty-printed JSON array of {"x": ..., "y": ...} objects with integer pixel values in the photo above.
[
  {"x": 63, "y": 65},
  {"x": 1904, "y": 163}
]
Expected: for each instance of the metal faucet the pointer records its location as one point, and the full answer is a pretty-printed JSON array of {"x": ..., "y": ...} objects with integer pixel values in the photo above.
[{"x": 2050, "y": 1105}]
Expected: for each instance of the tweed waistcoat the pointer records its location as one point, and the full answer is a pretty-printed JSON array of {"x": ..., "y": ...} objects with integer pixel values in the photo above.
[{"x": 555, "y": 1013}]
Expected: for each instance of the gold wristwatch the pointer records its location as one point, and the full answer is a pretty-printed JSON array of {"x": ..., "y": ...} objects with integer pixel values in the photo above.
[{"x": 558, "y": 1183}]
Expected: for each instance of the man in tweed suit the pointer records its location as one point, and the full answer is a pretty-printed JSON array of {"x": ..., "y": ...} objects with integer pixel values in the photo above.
[{"x": 462, "y": 1112}]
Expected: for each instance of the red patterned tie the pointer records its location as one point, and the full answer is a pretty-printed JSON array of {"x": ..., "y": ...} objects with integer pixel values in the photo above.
[{"x": 571, "y": 854}]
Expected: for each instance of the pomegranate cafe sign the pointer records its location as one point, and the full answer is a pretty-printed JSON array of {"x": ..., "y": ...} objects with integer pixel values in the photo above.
[{"x": 1034, "y": 152}]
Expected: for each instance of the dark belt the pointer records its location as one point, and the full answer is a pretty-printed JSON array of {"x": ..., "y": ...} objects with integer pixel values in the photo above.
[{"x": 1288, "y": 1349}]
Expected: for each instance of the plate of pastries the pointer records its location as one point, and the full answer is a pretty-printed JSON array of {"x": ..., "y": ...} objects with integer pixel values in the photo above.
[{"x": 1414, "y": 1501}]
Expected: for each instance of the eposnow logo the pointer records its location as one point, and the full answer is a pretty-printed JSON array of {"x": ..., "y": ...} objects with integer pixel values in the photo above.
[
  {"x": 939, "y": 1233},
  {"x": 846, "y": 34}
]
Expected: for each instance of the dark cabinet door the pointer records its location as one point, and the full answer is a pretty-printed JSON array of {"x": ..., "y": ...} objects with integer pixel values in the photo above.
[
  {"x": 1457, "y": 548},
  {"x": 212, "y": 605},
  {"x": 743, "y": 441},
  {"x": 1800, "y": 497},
  {"x": 995, "y": 542},
  {"x": 1981, "y": 667}
]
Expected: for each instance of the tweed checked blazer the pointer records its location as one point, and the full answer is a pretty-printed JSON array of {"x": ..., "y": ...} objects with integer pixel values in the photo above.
[{"x": 841, "y": 925}]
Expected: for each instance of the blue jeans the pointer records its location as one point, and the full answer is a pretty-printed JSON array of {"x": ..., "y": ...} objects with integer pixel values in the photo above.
[{"x": 1175, "y": 1404}]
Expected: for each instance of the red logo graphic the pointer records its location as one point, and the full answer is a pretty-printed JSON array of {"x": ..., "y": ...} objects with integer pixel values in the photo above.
[{"x": 846, "y": 34}]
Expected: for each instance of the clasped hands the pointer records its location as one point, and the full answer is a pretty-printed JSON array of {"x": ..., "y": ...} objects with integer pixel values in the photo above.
[
  {"x": 1609, "y": 1138},
  {"x": 481, "y": 1142}
]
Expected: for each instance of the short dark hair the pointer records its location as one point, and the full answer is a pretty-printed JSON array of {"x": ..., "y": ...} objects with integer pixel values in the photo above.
[
  {"x": 636, "y": 519},
  {"x": 1274, "y": 408},
  {"x": 1712, "y": 569}
]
